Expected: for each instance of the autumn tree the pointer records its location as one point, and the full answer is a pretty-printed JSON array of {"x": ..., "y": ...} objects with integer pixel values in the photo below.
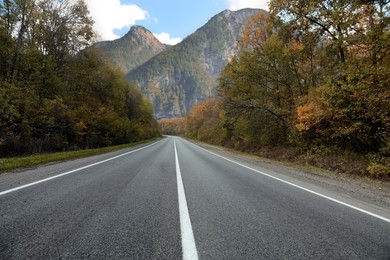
[
  {"x": 261, "y": 87},
  {"x": 205, "y": 122},
  {"x": 349, "y": 107},
  {"x": 312, "y": 74},
  {"x": 172, "y": 126}
]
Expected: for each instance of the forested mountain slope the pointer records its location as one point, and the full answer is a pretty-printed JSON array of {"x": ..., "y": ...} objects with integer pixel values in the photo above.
[
  {"x": 181, "y": 76},
  {"x": 132, "y": 50},
  {"x": 174, "y": 78}
]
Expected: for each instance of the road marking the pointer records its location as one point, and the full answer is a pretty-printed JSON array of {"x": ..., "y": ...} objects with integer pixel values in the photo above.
[
  {"x": 76, "y": 170},
  {"x": 187, "y": 235},
  {"x": 297, "y": 186}
]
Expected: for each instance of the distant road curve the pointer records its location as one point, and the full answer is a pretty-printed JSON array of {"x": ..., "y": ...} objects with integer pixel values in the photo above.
[{"x": 174, "y": 200}]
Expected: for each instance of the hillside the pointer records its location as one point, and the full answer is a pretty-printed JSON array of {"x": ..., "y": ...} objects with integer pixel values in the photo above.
[
  {"x": 174, "y": 78},
  {"x": 133, "y": 49},
  {"x": 184, "y": 74}
]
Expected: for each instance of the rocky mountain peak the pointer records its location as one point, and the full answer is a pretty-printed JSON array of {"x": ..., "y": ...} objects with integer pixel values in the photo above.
[
  {"x": 133, "y": 49},
  {"x": 142, "y": 36},
  {"x": 138, "y": 29}
]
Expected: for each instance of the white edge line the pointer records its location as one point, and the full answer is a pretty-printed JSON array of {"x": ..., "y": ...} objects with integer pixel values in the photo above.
[
  {"x": 299, "y": 187},
  {"x": 72, "y": 171},
  {"x": 187, "y": 235}
]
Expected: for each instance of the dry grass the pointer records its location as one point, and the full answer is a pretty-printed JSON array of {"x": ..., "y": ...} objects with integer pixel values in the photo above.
[{"x": 333, "y": 160}]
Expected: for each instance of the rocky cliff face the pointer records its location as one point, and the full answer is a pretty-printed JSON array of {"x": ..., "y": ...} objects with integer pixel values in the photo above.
[
  {"x": 175, "y": 78},
  {"x": 222, "y": 33},
  {"x": 133, "y": 49}
]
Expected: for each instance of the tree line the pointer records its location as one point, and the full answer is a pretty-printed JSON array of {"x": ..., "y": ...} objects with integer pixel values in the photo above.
[
  {"x": 310, "y": 74},
  {"x": 55, "y": 93}
]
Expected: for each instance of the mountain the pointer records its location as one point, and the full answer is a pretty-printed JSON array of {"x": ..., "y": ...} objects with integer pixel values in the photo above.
[
  {"x": 133, "y": 49},
  {"x": 174, "y": 78}
]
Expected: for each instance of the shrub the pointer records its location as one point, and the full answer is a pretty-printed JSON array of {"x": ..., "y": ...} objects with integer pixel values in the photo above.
[{"x": 378, "y": 170}]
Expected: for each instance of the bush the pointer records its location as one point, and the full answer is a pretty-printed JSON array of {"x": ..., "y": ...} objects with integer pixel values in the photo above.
[{"x": 378, "y": 170}]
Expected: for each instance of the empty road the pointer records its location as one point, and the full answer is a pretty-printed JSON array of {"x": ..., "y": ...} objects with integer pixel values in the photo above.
[{"x": 174, "y": 200}]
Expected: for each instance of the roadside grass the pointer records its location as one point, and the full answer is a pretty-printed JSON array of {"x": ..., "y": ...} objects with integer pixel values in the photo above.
[{"x": 9, "y": 164}]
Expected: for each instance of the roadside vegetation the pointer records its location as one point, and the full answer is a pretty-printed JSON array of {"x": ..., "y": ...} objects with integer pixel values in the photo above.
[
  {"x": 56, "y": 94},
  {"x": 22, "y": 162},
  {"x": 311, "y": 85}
]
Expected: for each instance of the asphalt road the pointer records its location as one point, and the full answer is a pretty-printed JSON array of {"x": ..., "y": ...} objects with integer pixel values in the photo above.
[{"x": 174, "y": 200}]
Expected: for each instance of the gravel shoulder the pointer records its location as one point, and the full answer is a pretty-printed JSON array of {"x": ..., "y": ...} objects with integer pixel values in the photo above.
[{"x": 366, "y": 191}]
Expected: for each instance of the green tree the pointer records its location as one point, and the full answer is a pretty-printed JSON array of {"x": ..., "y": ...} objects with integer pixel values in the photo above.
[
  {"x": 53, "y": 94},
  {"x": 64, "y": 28}
]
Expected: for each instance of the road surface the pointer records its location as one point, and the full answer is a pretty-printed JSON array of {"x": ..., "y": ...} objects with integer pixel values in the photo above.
[{"x": 174, "y": 200}]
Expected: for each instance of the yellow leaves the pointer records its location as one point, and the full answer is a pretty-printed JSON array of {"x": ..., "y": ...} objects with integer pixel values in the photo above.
[
  {"x": 255, "y": 30},
  {"x": 204, "y": 122},
  {"x": 296, "y": 46}
]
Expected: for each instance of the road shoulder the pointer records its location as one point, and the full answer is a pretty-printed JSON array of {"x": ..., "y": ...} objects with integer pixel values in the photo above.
[{"x": 366, "y": 191}]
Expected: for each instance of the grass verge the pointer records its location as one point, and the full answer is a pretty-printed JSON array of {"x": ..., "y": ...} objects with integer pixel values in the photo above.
[{"x": 9, "y": 164}]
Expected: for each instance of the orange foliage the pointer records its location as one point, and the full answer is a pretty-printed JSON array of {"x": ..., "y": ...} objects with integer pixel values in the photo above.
[
  {"x": 255, "y": 33},
  {"x": 172, "y": 126},
  {"x": 307, "y": 116},
  {"x": 205, "y": 122}
]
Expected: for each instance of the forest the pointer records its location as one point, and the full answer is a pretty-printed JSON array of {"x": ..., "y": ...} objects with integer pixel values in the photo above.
[
  {"x": 55, "y": 93},
  {"x": 311, "y": 82}
]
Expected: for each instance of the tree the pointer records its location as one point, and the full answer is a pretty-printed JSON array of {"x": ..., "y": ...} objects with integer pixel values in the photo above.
[
  {"x": 19, "y": 17},
  {"x": 333, "y": 20},
  {"x": 53, "y": 94},
  {"x": 350, "y": 114},
  {"x": 337, "y": 25},
  {"x": 255, "y": 31},
  {"x": 7, "y": 46},
  {"x": 347, "y": 108},
  {"x": 261, "y": 87},
  {"x": 205, "y": 122},
  {"x": 65, "y": 28}
]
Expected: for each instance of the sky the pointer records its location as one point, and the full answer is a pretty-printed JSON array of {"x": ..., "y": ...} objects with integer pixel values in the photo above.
[{"x": 169, "y": 20}]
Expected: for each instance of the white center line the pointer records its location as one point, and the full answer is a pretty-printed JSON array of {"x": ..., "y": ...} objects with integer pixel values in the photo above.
[
  {"x": 76, "y": 170},
  {"x": 187, "y": 235}
]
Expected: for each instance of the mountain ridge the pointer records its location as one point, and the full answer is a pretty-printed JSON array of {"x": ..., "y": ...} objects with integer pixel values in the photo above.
[
  {"x": 176, "y": 77},
  {"x": 133, "y": 49}
]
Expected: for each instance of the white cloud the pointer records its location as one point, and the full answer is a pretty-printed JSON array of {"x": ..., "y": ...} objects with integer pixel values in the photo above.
[
  {"x": 111, "y": 14},
  {"x": 240, "y": 4},
  {"x": 166, "y": 38}
]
